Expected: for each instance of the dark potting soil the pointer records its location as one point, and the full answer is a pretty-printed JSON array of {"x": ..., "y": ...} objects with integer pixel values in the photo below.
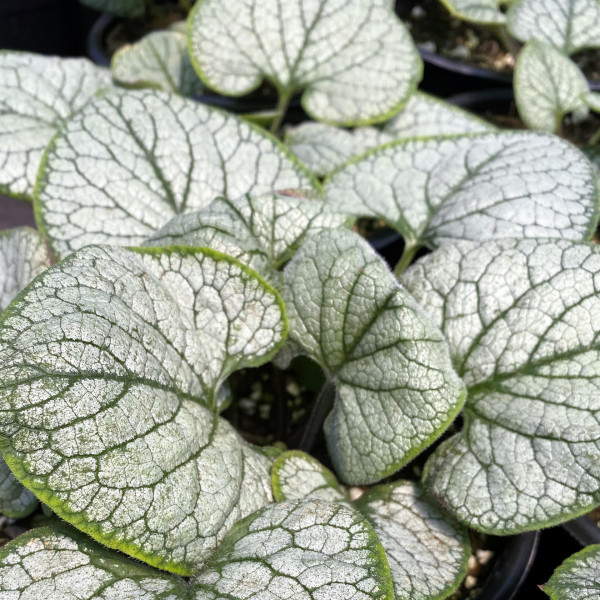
[
  {"x": 128, "y": 31},
  {"x": 434, "y": 29}
]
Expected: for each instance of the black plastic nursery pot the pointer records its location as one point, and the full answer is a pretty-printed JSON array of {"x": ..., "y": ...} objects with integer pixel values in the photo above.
[
  {"x": 44, "y": 26},
  {"x": 445, "y": 76},
  {"x": 493, "y": 102},
  {"x": 585, "y": 530},
  {"x": 511, "y": 568}
]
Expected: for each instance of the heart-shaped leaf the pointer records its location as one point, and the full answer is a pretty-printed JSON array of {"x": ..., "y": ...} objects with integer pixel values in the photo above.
[
  {"x": 437, "y": 191},
  {"x": 313, "y": 550},
  {"x": 23, "y": 255},
  {"x": 568, "y": 25},
  {"x": 548, "y": 85},
  {"x": 120, "y": 8},
  {"x": 357, "y": 62},
  {"x": 262, "y": 232},
  {"x": 159, "y": 60},
  {"x": 522, "y": 321},
  {"x": 396, "y": 390},
  {"x": 110, "y": 365},
  {"x": 578, "y": 577},
  {"x": 58, "y": 562},
  {"x": 128, "y": 163},
  {"x": 37, "y": 95},
  {"x": 323, "y": 148},
  {"x": 426, "y": 549},
  {"x": 486, "y": 12}
]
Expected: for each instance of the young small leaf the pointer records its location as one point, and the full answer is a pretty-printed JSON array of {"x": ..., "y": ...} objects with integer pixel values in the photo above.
[
  {"x": 437, "y": 191},
  {"x": 37, "y": 95},
  {"x": 396, "y": 390},
  {"x": 356, "y": 63},
  {"x": 23, "y": 255},
  {"x": 548, "y": 85},
  {"x": 60, "y": 563},
  {"x": 128, "y": 9},
  {"x": 426, "y": 549},
  {"x": 578, "y": 578},
  {"x": 323, "y": 148},
  {"x": 110, "y": 364},
  {"x": 522, "y": 321},
  {"x": 486, "y": 12},
  {"x": 568, "y": 25},
  {"x": 262, "y": 232},
  {"x": 297, "y": 475},
  {"x": 159, "y": 60},
  {"x": 128, "y": 163}
]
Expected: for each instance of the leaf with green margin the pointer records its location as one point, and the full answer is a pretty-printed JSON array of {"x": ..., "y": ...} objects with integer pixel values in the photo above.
[
  {"x": 426, "y": 549},
  {"x": 297, "y": 475},
  {"x": 263, "y": 232},
  {"x": 438, "y": 191},
  {"x": 120, "y": 8},
  {"x": 110, "y": 364},
  {"x": 307, "y": 549},
  {"x": 485, "y": 12},
  {"x": 310, "y": 549},
  {"x": 578, "y": 577},
  {"x": 396, "y": 391},
  {"x": 522, "y": 318},
  {"x": 60, "y": 563},
  {"x": 128, "y": 163},
  {"x": 23, "y": 255},
  {"x": 159, "y": 60},
  {"x": 567, "y": 25},
  {"x": 323, "y": 148},
  {"x": 356, "y": 63},
  {"x": 548, "y": 85},
  {"x": 38, "y": 94}
]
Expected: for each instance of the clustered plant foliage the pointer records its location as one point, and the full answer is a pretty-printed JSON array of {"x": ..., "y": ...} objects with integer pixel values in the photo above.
[
  {"x": 178, "y": 244},
  {"x": 548, "y": 84}
]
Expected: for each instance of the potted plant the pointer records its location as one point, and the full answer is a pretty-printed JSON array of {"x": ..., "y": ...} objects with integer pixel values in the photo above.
[
  {"x": 479, "y": 43},
  {"x": 192, "y": 247},
  {"x": 371, "y": 45}
]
